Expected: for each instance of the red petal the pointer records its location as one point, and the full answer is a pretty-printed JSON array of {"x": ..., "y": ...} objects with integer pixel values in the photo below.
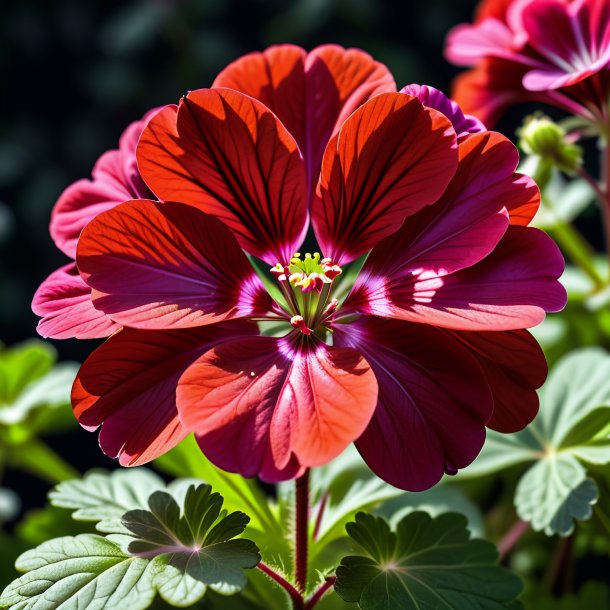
[
  {"x": 167, "y": 265},
  {"x": 433, "y": 401},
  {"x": 115, "y": 179},
  {"x": 515, "y": 367},
  {"x": 508, "y": 290},
  {"x": 128, "y": 386},
  {"x": 461, "y": 229},
  {"x": 228, "y": 155},
  {"x": 63, "y": 301},
  {"x": 391, "y": 158},
  {"x": 312, "y": 94},
  {"x": 267, "y": 406}
]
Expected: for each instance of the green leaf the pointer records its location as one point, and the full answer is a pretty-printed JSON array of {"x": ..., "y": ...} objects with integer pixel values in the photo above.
[
  {"x": 554, "y": 492},
  {"x": 51, "y": 391},
  {"x": 22, "y": 364},
  {"x": 87, "y": 571},
  {"x": 186, "y": 460},
  {"x": 194, "y": 547},
  {"x": 105, "y": 497},
  {"x": 571, "y": 431},
  {"x": 426, "y": 563}
]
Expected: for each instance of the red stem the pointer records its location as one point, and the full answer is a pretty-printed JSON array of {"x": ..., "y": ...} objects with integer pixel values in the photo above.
[
  {"x": 302, "y": 531},
  {"x": 511, "y": 538},
  {"x": 320, "y": 592},
  {"x": 320, "y": 514},
  {"x": 297, "y": 598}
]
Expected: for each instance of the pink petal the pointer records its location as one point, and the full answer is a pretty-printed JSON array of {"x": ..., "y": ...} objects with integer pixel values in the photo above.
[
  {"x": 128, "y": 386},
  {"x": 158, "y": 266},
  {"x": 115, "y": 179},
  {"x": 229, "y": 156},
  {"x": 312, "y": 94},
  {"x": 467, "y": 44},
  {"x": 433, "y": 98},
  {"x": 63, "y": 301},
  {"x": 433, "y": 401},
  {"x": 267, "y": 406},
  {"x": 574, "y": 39},
  {"x": 515, "y": 367},
  {"x": 391, "y": 158}
]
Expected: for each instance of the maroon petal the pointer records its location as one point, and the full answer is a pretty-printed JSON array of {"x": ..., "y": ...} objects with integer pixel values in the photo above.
[
  {"x": 128, "y": 386},
  {"x": 63, "y": 301},
  {"x": 115, "y": 179},
  {"x": 312, "y": 94},
  {"x": 168, "y": 265},
  {"x": 508, "y": 290},
  {"x": 461, "y": 229},
  {"x": 228, "y": 155},
  {"x": 267, "y": 407},
  {"x": 515, "y": 367},
  {"x": 391, "y": 158},
  {"x": 433, "y": 401}
]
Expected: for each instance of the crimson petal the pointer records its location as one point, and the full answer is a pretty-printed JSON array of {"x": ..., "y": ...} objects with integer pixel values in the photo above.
[
  {"x": 63, "y": 301},
  {"x": 510, "y": 289},
  {"x": 312, "y": 94},
  {"x": 168, "y": 265},
  {"x": 433, "y": 401},
  {"x": 391, "y": 158},
  {"x": 228, "y": 155},
  {"x": 128, "y": 386},
  {"x": 268, "y": 407},
  {"x": 515, "y": 367}
]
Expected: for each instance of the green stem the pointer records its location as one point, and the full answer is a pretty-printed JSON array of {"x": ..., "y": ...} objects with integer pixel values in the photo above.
[{"x": 578, "y": 250}]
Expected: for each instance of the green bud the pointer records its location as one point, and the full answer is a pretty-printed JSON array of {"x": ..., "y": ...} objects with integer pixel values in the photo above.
[{"x": 542, "y": 137}]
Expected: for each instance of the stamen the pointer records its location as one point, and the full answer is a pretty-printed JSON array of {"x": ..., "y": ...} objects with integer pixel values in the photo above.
[{"x": 299, "y": 322}]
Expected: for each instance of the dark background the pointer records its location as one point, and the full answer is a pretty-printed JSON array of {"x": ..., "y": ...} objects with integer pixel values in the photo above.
[{"x": 76, "y": 72}]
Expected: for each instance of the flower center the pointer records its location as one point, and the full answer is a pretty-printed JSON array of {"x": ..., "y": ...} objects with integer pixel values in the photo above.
[{"x": 307, "y": 286}]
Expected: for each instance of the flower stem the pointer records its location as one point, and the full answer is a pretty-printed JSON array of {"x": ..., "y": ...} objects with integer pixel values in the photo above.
[
  {"x": 297, "y": 598},
  {"x": 511, "y": 538},
  {"x": 302, "y": 531},
  {"x": 578, "y": 250},
  {"x": 605, "y": 202},
  {"x": 320, "y": 592}
]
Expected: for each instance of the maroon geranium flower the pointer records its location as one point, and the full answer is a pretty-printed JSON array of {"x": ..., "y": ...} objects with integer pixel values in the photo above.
[
  {"x": 63, "y": 300},
  {"x": 554, "y": 51},
  {"x": 276, "y": 360}
]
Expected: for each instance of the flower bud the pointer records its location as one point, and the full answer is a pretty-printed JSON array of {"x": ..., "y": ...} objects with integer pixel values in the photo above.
[{"x": 542, "y": 137}]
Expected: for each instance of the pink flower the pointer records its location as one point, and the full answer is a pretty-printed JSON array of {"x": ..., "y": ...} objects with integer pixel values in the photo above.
[
  {"x": 426, "y": 349},
  {"x": 63, "y": 300},
  {"x": 554, "y": 51}
]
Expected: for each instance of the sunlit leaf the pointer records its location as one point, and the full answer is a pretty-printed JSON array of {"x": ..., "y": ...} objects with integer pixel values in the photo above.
[
  {"x": 21, "y": 365},
  {"x": 425, "y": 563},
  {"x": 105, "y": 497},
  {"x": 194, "y": 544},
  {"x": 86, "y": 571}
]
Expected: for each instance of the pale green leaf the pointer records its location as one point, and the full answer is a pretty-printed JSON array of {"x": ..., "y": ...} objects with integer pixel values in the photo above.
[
  {"x": 105, "y": 497},
  {"x": 554, "y": 492},
  {"x": 86, "y": 571},
  {"x": 425, "y": 563}
]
